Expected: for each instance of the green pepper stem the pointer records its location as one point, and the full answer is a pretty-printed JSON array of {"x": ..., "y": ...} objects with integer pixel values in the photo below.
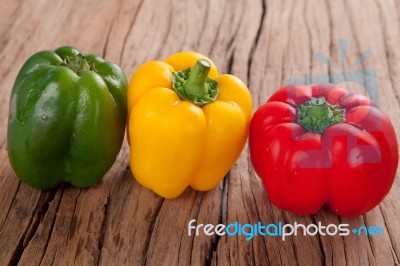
[
  {"x": 77, "y": 64},
  {"x": 196, "y": 84},
  {"x": 317, "y": 115}
]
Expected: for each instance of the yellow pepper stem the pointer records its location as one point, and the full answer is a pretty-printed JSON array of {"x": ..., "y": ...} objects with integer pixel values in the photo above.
[{"x": 194, "y": 85}]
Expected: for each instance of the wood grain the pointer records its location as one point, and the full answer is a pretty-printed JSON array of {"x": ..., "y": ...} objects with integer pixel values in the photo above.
[{"x": 263, "y": 42}]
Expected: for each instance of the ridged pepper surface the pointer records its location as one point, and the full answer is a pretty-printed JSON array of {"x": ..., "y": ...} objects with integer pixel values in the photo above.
[
  {"x": 67, "y": 118},
  {"x": 187, "y": 124}
]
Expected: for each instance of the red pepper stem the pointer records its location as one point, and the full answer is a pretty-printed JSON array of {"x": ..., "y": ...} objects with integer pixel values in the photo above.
[
  {"x": 320, "y": 108},
  {"x": 317, "y": 115}
]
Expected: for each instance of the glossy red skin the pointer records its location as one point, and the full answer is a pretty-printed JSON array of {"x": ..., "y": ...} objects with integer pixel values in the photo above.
[{"x": 350, "y": 167}]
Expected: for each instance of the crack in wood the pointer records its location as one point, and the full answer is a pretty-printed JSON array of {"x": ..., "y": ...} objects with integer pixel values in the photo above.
[
  {"x": 11, "y": 204},
  {"x": 294, "y": 247},
  {"x": 53, "y": 221},
  {"x": 151, "y": 227},
  {"x": 108, "y": 37},
  {"x": 41, "y": 209},
  {"x": 159, "y": 53},
  {"x": 217, "y": 32},
  {"x": 396, "y": 258},
  {"x": 256, "y": 40},
  {"x": 224, "y": 203},
  {"x": 388, "y": 65},
  {"x": 72, "y": 224},
  {"x": 19, "y": 249},
  {"x": 344, "y": 243},
  {"x": 203, "y": 26},
  {"x": 331, "y": 252},
  {"x": 129, "y": 30},
  {"x": 247, "y": 211},
  {"x": 331, "y": 42},
  {"x": 308, "y": 29},
  {"x": 230, "y": 62},
  {"x": 231, "y": 42},
  {"x": 369, "y": 238},
  {"x": 283, "y": 59},
  {"x": 221, "y": 220},
  {"x": 103, "y": 226},
  {"x": 251, "y": 176},
  {"x": 356, "y": 41},
  {"x": 321, "y": 246},
  {"x": 195, "y": 203}
]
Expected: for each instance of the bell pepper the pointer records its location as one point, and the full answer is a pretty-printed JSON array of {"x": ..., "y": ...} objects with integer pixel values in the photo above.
[
  {"x": 187, "y": 124},
  {"x": 67, "y": 118},
  {"x": 323, "y": 145}
]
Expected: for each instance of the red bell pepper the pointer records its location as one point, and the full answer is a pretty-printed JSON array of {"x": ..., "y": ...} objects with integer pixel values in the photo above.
[{"x": 323, "y": 144}]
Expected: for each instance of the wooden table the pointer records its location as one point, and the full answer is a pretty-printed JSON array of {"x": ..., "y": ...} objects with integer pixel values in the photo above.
[{"x": 265, "y": 43}]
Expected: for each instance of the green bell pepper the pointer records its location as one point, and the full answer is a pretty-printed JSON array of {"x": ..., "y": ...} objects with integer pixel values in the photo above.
[{"x": 67, "y": 118}]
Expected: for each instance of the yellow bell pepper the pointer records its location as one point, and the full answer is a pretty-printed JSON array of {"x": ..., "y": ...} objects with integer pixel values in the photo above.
[{"x": 187, "y": 125}]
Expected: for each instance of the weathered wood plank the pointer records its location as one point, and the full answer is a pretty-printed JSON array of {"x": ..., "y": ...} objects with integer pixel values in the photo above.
[{"x": 265, "y": 43}]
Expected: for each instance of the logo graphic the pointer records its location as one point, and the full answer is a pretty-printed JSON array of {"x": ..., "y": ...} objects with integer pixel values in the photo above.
[
  {"x": 358, "y": 152},
  {"x": 366, "y": 78},
  {"x": 249, "y": 231}
]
